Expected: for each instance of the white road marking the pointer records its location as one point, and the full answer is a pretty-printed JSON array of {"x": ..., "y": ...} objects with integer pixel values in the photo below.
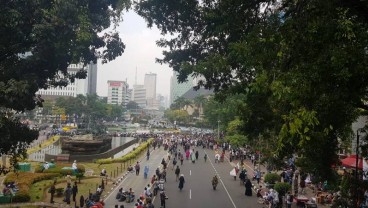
[
  {"x": 190, "y": 193},
  {"x": 190, "y": 172},
  {"x": 228, "y": 194}
]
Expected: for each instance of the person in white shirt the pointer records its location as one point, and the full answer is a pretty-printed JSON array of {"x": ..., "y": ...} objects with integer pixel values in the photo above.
[{"x": 74, "y": 165}]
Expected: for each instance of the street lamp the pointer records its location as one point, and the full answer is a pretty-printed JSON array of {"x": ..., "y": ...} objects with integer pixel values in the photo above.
[
  {"x": 356, "y": 198},
  {"x": 218, "y": 129}
]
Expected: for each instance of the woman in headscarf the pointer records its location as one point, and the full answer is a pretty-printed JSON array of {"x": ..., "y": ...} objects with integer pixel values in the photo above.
[
  {"x": 181, "y": 182},
  {"x": 248, "y": 188}
]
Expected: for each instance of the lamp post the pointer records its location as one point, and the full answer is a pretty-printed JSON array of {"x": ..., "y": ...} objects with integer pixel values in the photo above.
[
  {"x": 218, "y": 129},
  {"x": 356, "y": 198}
]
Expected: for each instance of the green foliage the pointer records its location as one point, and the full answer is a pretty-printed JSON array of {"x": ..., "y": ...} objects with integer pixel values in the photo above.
[
  {"x": 272, "y": 178},
  {"x": 24, "y": 181},
  {"x": 180, "y": 116},
  {"x": 42, "y": 38},
  {"x": 282, "y": 188},
  {"x": 301, "y": 67},
  {"x": 59, "y": 169},
  {"x": 21, "y": 196},
  {"x": 130, "y": 156}
]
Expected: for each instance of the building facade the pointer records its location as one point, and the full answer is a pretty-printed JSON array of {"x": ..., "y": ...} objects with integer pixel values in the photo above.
[
  {"x": 117, "y": 92},
  {"x": 79, "y": 86},
  {"x": 178, "y": 89},
  {"x": 139, "y": 95}
]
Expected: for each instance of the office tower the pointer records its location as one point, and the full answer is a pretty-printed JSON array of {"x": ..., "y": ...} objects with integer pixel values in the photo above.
[
  {"x": 117, "y": 92},
  {"x": 139, "y": 95},
  {"x": 79, "y": 86},
  {"x": 178, "y": 89}
]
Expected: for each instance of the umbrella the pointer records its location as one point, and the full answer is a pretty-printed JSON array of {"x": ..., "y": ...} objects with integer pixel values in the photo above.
[{"x": 350, "y": 162}]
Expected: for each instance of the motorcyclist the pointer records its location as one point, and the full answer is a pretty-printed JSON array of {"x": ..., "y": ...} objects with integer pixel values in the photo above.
[{"x": 214, "y": 182}]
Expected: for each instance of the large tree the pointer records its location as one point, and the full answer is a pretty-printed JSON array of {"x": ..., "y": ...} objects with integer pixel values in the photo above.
[
  {"x": 302, "y": 65},
  {"x": 38, "y": 40}
]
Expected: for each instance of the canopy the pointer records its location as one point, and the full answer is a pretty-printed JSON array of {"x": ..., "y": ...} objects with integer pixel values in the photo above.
[{"x": 350, "y": 162}]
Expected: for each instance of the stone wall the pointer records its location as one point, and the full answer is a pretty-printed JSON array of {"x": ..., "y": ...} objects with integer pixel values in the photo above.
[{"x": 92, "y": 157}]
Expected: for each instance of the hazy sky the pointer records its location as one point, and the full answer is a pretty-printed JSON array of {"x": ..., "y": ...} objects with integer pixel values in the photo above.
[{"x": 140, "y": 53}]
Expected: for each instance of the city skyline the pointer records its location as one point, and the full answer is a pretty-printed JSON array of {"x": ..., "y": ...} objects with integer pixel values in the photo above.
[{"x": 138, "y": 58}]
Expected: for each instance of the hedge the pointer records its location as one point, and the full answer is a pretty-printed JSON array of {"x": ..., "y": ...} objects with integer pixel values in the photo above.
[
  {"x": 131, "y": 155},
  {"x": 272, "y": 178},
  {"x": 282, "y": 188},
  {"x": 59, "y": 169},
  {"x": 24, "y": 180}
]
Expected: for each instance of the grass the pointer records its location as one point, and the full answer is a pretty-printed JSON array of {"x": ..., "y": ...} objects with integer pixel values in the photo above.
[{"x": 39, "y": 190}]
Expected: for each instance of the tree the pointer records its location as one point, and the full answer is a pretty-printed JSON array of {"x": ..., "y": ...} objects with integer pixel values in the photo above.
[
  {"x": 181, "y": 103},
  {"x": 301, "y": 65},
  {"x": 132, "y": 106},
  {"x": 39, "y": 39}
]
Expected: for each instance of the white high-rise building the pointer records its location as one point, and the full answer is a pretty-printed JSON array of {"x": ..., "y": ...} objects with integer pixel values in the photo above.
[
  {"x": 117, "y": 92},
  {"x": 80, "y": 86},
  {"x": 178, "y": 89},
  {"x": 150, "y": 85},
  {"x": 139, "y": 95}
]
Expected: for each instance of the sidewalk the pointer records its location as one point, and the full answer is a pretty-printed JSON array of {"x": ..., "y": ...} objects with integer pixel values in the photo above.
[{"x": 250, "y": 170}]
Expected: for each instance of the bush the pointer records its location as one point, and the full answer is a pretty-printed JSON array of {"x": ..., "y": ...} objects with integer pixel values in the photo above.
[
  {"x": 282, "y": 188},
  {"x": 272, "y": 178},
  {"x": 24, "y": 181},
  {"x": 21, "y": 196},
  {"x": 59, "y": 169}
]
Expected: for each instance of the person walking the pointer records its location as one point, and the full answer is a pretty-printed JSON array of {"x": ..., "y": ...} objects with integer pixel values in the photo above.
[
  {"x": 81, "y": 201},
  {"x": 74, "y": 190},
  {"x": 174, "y": 163},
  {"x": 163, "y": 198},
  {"x": 145, "y": 172},
  {"x": 177, "y": 172},
  {"x": 52, "y": 192},
  {"x": 68, "y": 193},
  {"x": 181, "y": 182},
  {"x": 196, "y": 155},
  {"x": 137, "y": 168},
  {"x": 181, "y": 159},
  {"x": 248, "y": 188}
]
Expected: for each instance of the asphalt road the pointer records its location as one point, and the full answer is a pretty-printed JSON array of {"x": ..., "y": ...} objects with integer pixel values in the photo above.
[{"x": 197, "y": 191}]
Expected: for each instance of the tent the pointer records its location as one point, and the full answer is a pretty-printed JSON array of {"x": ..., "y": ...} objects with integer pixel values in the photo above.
[{"x": 350, "y": 162}]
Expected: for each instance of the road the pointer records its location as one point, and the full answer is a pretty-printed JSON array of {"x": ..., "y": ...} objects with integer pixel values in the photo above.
[{"x": 197, "y": 190}]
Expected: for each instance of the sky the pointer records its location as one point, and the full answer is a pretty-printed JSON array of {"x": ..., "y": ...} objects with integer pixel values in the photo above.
[{"x": 140, "y": 53}]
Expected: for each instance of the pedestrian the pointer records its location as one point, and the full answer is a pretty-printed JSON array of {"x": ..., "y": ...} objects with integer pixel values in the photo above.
[
  {"x": 258, "y": 176},
  {"x": 74, "y": 190},
  {"x": 181, "y": 159},
  {"x": 137, "y": 168},
  {"x": 289, "y": 199},
  {"x": 81, "y": 201},
  {"x": 181, "y": 182},
  {"x": 67, "y": 193},
  {"x": 196, "y": 155},
  {"x": 174, "y": 163},
  {"x": 145, "y": 172},
  {"x": 248, "y": 188},
  {"x": 52, "y": 192},
  {"x": 177, "y": 172},
  {"x": 163, "y": 198}
]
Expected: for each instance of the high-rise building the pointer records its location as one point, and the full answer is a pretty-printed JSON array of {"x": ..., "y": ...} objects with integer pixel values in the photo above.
[
  {"x": 92, "y": 78},
  {"x": 117, "y": 92},
  {"x": 150, "y": 85},
  {"x": 79, "y": 86},
  {"x": 139, "y": 95},
  {"x": 178, "y": 89}
]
